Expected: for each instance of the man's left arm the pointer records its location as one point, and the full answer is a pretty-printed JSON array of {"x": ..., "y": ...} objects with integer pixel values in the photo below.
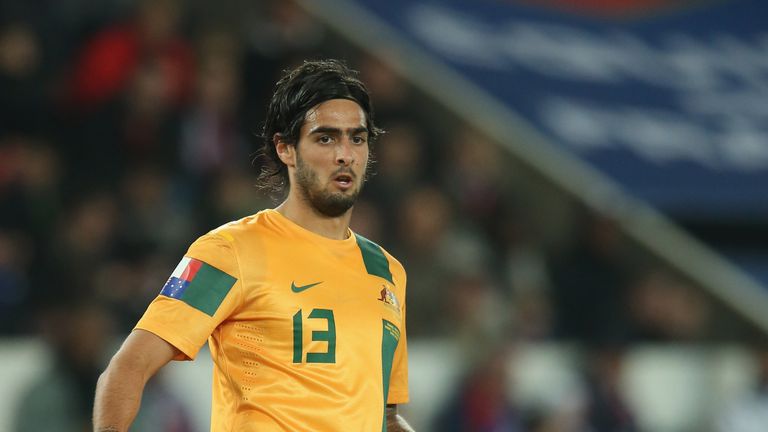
[{"x": 395, "y": 423}]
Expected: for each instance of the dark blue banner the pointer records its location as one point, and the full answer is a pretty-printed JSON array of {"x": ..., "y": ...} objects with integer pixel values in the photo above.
[{"x": 673, "y": 103}]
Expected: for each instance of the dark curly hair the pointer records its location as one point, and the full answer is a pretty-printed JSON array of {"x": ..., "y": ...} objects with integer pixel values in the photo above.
[{"x": 298, "y": 91}]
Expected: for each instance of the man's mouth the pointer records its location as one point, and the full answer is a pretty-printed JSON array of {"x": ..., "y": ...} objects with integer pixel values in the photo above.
[{"x": 343, "y": 180}]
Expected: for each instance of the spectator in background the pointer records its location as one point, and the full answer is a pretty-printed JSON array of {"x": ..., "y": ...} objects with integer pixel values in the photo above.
[
  {"x": 128, "y": 86},
  {"x": 29, "y": 205},
  {"x": 139, "y": 130},
  {"x": 283, "y": 33},
  {"x": 111, "y": 60},
  {"x": 473, "y": 307},
  {"x": 24, "y": 105},
  {"x": 474, "y": 177},
  {"x": 483, "y": 401},
  {"x": 749, "y": 413},
  {"x": 60, "y": 400},
  {"x": 523, "y": 270},
  {"x": 13, "y": 281},
  {"x": 277, "y": 35},
  {"x": 607, "y": 410},
  {"x": 398, "y": 169},
  {"x": 151, "y": 215},
  {"x": 436, "y": 250},
  {"x": 405, "y": 118},
  {"x": 392, "y": 93},
  {"x": 590, "y": 283},
  {"x": 212, "y": 136},
  {"x": 85, "y": 239},
  {"x": 78, "y": 333},
  {"x": 30, "y": 175},
  {"x": 664, "y": 308}
]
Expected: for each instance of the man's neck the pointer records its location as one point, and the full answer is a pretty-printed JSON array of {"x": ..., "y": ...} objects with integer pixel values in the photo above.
[{"x": 301, "y": 213}]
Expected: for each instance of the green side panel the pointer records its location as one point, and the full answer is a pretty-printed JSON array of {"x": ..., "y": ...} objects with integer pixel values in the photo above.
[
  {"x": 324, "y": 336},
  {"x": 376, "y": 262},
  {"x": 208, "y": 289},
  {"x": 389, "y": 338}
]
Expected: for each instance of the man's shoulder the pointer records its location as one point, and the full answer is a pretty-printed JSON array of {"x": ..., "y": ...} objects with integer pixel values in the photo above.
[
  {"x": 237, "y": 232},
  {"x": 236, "y": 229}
]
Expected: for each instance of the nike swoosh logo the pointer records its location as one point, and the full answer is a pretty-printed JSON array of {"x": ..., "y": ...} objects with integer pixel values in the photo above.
[{"x": 298, "y": 289}]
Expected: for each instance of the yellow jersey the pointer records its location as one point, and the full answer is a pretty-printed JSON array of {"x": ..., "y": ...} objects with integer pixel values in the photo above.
[{"x": 306, "y": 333}]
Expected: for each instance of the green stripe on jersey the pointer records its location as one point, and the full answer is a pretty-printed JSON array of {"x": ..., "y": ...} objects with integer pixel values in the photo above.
[
  {"x": 390, "y": 336},
  {"x": 376, "y": 262},
  {"x": 207, "y": 289}
]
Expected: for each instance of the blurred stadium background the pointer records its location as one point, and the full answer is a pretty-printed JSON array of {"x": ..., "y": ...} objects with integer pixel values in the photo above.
[{"x": 578, "y": 190}]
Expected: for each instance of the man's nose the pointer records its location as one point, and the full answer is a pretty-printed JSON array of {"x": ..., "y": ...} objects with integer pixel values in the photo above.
[{"x": 345, "y": 156}]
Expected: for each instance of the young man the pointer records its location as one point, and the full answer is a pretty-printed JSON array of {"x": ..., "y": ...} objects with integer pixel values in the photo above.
[{"x": 305, "y": 319}]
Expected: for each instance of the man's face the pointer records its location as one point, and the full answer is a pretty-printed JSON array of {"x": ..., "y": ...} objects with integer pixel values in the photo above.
[{"x": 332, "y": 156}]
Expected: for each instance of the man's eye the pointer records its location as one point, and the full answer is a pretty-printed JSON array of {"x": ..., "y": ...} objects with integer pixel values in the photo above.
[
  {"x": 358, "y": 140},
  {"x": 325, "y": 139}
]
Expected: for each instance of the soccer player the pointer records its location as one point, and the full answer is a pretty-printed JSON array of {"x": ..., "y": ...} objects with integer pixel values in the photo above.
[{"x": 305, "y": 319}]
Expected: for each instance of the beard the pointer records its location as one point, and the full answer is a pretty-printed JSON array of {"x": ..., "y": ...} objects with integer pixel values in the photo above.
[{"x": 327, "y": 203}]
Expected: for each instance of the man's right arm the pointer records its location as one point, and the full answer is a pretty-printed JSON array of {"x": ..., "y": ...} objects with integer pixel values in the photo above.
[{"x": 120, "y": 386}]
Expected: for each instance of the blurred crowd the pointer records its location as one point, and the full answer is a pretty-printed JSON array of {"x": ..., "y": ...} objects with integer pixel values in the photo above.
[{"x": 127, "y": 129}]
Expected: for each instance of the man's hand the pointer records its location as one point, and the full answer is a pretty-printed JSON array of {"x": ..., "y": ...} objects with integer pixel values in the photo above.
[{"x": 395, "y": 423}]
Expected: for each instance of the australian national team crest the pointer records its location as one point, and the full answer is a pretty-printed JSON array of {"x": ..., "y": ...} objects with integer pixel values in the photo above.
[{"x": 388, "y": 297}]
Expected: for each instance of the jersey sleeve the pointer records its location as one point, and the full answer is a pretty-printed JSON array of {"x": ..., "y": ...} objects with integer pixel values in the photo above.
[
  {"x": 398, "y": 379},
  {"x": 204, "y": 290}
]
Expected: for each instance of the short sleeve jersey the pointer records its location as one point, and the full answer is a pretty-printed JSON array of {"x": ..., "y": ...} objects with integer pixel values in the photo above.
[{"x": 306, "y": 333}]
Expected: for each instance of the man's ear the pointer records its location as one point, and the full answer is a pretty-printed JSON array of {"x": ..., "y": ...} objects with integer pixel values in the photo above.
[{"x": 285, "y": 151}]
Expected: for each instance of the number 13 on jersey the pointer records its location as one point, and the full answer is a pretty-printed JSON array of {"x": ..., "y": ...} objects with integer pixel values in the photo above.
[{"x": 328, "y": 335}]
